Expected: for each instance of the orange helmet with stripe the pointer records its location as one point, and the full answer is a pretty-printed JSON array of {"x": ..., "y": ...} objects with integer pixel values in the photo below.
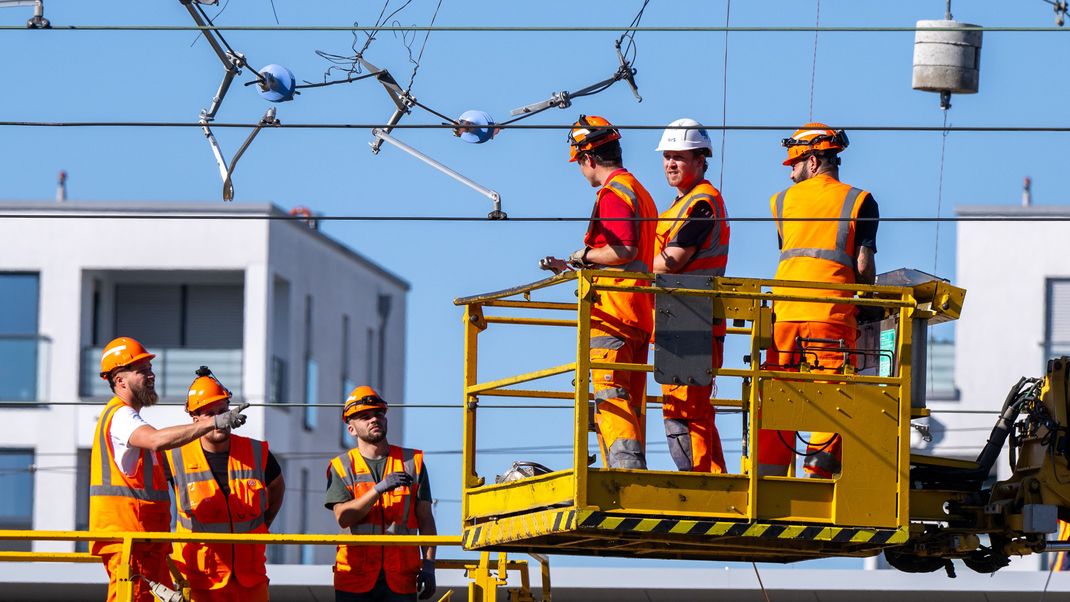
[
  {"x": 360, "y": 399},
  {"x": 205, "y": 390},
  {"x": 120, "y": 353},
  {"x": 813, "y": 137},
  {"x": 590, "y": 132}
]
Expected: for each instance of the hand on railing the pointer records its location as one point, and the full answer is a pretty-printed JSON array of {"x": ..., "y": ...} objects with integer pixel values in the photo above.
[{"x": 553, "y": 264}]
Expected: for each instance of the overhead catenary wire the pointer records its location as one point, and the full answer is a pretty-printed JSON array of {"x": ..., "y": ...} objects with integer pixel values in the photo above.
[
  {"x": 526, "y": 126},
  {"x": 545, "y": 28},
  {"x": 64, "y": 213},
  {"x": 724, "y": 91},
  {"x": 813, "y": 64}
]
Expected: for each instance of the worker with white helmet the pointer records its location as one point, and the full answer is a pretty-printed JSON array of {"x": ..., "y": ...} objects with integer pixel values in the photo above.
[
  {"x": 692, "y": 238},
  {"x": 836, "y": 248}
]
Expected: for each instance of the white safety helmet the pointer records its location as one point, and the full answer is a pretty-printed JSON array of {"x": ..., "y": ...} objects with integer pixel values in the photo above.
[{"x": 685, "y": 134}]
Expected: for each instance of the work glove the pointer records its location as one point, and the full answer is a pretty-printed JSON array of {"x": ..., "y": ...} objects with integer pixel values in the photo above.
[
  {"x": 553, "y": 264},
  {"x": 392, "y": 481},
  {"x": 579, "y": 259},
  {"x": 425, "y": 580},
  {"x": 231, "y": 419}
]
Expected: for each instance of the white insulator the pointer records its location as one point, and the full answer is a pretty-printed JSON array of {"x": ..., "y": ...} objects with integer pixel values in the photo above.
[{"x": 946, "y": 61}]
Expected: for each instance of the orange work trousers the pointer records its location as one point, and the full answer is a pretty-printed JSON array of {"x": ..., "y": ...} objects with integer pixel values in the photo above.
[
  {"x": 620, "y": 395},
  {"x": 149, "y": 560},
  {"x": 232, "y": 592},
  {"x": 776, "y": 449},
  {"x": 694, "y": 443}
]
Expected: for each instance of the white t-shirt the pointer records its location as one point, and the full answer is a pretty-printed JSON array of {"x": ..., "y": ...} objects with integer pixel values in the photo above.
[{"x": 123, "y": 424}]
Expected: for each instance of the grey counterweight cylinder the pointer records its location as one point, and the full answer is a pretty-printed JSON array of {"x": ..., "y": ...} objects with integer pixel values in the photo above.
[{"x": 946, "y": 61}]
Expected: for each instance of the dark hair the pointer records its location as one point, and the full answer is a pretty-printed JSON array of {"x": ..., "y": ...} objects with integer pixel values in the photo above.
[{"x": 606, "y": 155}]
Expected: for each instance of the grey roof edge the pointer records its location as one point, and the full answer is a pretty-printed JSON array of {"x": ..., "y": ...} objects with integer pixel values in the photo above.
[
  {"x": 40, "y": 208},
  {"x": 346, "y": 250},
  {"x": 1012, "y": 210}
]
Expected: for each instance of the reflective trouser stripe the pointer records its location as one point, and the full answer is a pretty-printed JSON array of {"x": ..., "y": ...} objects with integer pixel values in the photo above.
[{"x": 612, "y": 393}]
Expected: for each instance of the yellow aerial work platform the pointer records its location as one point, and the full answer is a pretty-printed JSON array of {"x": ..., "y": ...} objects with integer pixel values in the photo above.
[{"x": 660, "y": 514}]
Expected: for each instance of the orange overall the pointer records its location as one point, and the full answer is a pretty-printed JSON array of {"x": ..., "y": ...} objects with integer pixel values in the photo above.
[
  {"x": 222, "y": 571},
  {"x": 814, "y": 251},
  {"x": 128, "y": 503},
  {"x": 694, "y": 442},
  {"x": 620, "y": 333},
  {"x": 357, "y": 568}
]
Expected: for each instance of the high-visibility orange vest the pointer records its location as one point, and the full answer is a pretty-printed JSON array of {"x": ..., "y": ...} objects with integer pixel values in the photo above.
[
  {"x": 817, "y": 251},
  {"x": 632, "y": 310},
  {"x": 118, "y": 502},
  {"x": 357, "y": 568},
  {"x": 202, "y": 508},
  {"x": 711, "y": 256}
]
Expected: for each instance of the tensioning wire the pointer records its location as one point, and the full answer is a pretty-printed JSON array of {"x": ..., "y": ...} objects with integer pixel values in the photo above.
[
  {"x": 526, "y": 126},
  {"x": 538, "y": 28},
  {"x": 117, "y": 215}
]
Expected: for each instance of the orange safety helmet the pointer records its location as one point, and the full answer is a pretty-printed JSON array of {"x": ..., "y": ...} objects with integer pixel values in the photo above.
[
  {"x": 119, "y": 353},
  {"x": 362, "y": 398},
  {"x": 590, "y": 132},
  {"x": 813, "y": 137},
  {"x": 205, "y": 390}
]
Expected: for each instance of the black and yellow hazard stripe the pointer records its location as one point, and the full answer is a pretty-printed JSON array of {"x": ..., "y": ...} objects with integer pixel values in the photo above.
[
  {"x": 560, "y": 521},
  {"x": 602, "y": 521},
  {"x": 517, "y": 528}
]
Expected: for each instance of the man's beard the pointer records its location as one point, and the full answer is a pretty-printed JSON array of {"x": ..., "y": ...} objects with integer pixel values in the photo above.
[
  {"x": 146, "y": 396},
  {"x": 370, "y": 438}
]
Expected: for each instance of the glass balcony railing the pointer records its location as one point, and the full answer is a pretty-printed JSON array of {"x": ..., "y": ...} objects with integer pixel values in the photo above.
[
  {"x": 174, "y": 368},
  {"x": 24, "y": 368}
]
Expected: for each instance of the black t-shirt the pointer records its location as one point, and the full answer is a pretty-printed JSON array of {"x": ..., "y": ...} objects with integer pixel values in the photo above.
[
  {"x": 865, "y": 226},
  {"x": 217, "y": 462},
  {"x": 694, "y": 231},
  {"x": 338, "y": 493}
]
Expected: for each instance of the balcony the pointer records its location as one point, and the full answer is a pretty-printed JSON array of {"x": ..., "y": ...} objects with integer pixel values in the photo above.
[
  {"x": 24, "y": 368},
  {"x": 174, "y": 368}
]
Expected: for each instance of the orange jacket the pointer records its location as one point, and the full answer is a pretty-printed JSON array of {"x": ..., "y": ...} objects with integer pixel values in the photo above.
[
  {"x": 202, "y": 508},
  {"x": 357, "y": 568},
  {"x": 817, "y": 251},
  {"x": 118, "y": 502},
  {"x": 632, "y": 310},
  {"x": 711, "y": 257}
]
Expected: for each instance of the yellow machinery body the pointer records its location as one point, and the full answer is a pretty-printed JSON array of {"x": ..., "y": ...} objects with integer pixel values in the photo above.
[{"x": 661, "y": 514}]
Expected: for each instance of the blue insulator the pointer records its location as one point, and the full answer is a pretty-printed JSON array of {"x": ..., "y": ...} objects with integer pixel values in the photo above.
[
  {"x": 278, "y": 83},
  {"x": 475, "y": 126}
]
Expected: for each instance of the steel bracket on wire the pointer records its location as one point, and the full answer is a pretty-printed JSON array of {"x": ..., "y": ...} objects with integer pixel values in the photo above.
[
  {"x": 227, "y": 171},
  {"x": 403, "y": 101},
  {"x": 382, "y": 136},
  {"x": 563, "y": 99}
]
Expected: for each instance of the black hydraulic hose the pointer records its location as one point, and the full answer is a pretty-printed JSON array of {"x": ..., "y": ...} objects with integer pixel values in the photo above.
[{"x": 1011, "y": 407}]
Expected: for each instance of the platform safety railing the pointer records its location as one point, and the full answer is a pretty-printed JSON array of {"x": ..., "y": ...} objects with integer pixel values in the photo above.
[
  {"x": 744, "y": 303},
  {"x": 487, "y": 574}
]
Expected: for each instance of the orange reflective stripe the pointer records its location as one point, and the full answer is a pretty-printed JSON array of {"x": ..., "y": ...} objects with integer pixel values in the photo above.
[
  {"x": 621, "y": 309},
  {"x": 358, "y": 567},
  {"x": 711, "y": 255},
  {"x": 817, "y": 250}
]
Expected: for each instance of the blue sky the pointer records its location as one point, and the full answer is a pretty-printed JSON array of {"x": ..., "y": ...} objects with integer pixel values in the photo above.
[{"x": 860, "y": 79}]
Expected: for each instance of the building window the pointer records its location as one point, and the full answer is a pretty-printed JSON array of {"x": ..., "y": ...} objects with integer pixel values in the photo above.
[
  {"x": 1057, "y": 318},
  {"x": 307, "y": 550},
  {"x": 22, "y": 350},
  {"x": 16, "y": 494},
  {"x": 280, "y": 336},
  {"x": 346, "y": 441},
  {"x": 81, "y": 491},
  {"x": 311, "y": 372}
]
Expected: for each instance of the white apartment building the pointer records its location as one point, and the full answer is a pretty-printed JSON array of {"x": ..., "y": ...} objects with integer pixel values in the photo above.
[{"x": 282, "y": 313}]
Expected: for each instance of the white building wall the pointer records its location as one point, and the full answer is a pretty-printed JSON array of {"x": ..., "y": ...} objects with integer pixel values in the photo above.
[
  {"x": 326, "y": 272},
  {"x": 60, "y": 250},
  {"x": 1003, "y": 265}
]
